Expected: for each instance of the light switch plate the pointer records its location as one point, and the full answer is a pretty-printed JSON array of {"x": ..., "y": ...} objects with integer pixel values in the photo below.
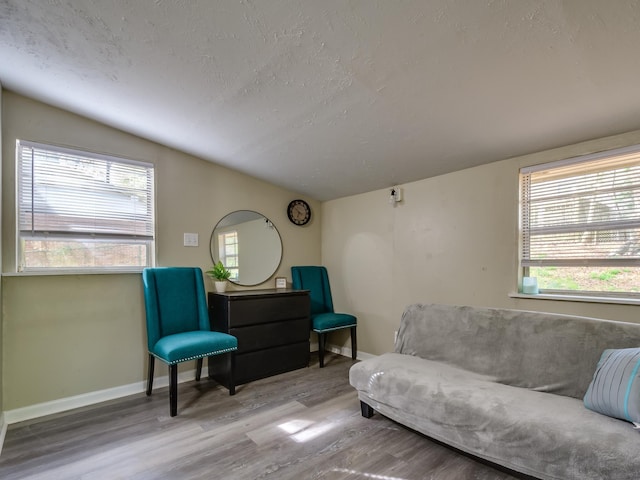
[{"x": 190, "y": 239}]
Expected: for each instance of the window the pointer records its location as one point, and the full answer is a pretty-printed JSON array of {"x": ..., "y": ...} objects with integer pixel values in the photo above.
[
  {"x": 228, "y": 253},
  {"x": 580, "y": 224},
  {"x": 82, "y": 211}
]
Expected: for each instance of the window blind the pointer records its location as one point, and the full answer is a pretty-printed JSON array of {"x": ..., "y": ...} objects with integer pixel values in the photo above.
[
  {"x": 582, "y": 212},
  {"x": 66, "y": 194}
]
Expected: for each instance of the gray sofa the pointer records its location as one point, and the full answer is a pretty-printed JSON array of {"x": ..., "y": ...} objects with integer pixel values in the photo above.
[{"x": 506, "y": 386}]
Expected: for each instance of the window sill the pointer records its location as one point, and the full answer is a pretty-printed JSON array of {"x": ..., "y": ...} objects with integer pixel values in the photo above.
[
  {"x": 45, "y": 273},
  {"x": 577, "y": 298}
]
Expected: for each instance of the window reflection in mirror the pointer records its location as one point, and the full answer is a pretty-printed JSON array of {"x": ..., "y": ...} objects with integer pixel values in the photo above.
[
  {"x": 249, "y": 245},
  {"x": 228, "y": 252}
]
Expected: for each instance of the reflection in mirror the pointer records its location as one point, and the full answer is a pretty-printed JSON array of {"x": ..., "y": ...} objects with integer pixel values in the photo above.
[{"x": 249, "y": 245}]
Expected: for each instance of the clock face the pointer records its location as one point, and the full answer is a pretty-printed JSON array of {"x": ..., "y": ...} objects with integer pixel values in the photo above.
[{"x": 299, "y": 212}]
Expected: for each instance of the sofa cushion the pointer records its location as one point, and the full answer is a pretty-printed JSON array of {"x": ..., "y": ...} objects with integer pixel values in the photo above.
[
  {"x": 615, "y": 388},
  {"x": 541, "y": 351},
  {"x": 540, "y": 434}
]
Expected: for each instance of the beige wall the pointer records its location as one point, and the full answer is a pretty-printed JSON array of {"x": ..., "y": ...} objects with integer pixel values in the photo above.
[
  {"x": 453, "y": 240},
  {"x": 74, "y": 334}
]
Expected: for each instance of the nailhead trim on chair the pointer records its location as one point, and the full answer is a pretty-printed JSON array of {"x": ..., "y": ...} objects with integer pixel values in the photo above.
[
  {"x": 336, "y": 328},
  {"x": 217, "y": 352}
]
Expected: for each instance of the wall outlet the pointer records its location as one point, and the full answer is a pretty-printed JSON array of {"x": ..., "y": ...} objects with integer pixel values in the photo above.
[{"x": 395, "y": 336}]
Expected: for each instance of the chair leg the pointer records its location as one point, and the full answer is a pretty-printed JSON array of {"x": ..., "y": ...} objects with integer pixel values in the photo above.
[
  {"x": 354, "y": 344},
  {"x": 152, "y": 360},
  {"x": 232, "y": 367},
  {"x": 198, "y": 369},
  {"x": 173, "y": 390},
  {"x": 321, "y": 340}
]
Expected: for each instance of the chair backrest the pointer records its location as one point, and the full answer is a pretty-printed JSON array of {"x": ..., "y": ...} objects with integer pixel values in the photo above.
[
  {"x": 316, "y": 280},
  {"x": 175, "y": 301}
]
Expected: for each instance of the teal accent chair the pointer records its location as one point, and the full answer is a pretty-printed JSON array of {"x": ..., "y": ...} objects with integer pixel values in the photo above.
[
  {"x": 178, "y": 327},
  {"x": 323, "y": 318}
]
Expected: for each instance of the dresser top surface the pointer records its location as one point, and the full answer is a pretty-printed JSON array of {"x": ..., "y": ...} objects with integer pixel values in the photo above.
[{"x": 259, "y": 293}]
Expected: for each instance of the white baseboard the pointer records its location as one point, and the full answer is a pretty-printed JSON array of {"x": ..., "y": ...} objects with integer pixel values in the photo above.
[
  {"x": 63, "y": 404},
  {"x": 3, "y": 430},
  {"x": 90, "y": 398},
  {"x": 345, "y": 351}
]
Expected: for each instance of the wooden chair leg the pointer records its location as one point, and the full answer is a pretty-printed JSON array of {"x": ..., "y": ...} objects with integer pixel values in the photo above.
[
  {"x": 354, "y": 344},
  {"x": 152, "y": 360},
  {"x": 173, "y": 390},
  {"x": 232, "y": 367},
  {"x": 321, "y": 340},
  {"x": 198, "y": 369}
]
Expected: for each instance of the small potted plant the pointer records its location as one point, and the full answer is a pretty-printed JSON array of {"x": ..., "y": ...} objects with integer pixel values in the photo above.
[{"x": 220, "y": 275}]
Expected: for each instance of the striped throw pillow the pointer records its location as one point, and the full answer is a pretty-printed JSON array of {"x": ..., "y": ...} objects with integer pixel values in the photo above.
[{"x": 615, "y": 388}]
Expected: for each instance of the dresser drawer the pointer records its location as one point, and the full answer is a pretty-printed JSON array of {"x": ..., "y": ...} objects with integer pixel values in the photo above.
[
  {"x": 264, "y": 363},
  {"x": 250, "y": 312},
  {"x": 260, "y": 364},
  {"x": 256, "y": 337}
]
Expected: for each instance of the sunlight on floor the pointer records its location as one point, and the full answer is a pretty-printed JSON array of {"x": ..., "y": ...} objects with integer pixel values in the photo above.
[
  {"x": 365, "y": 475},
  {"x": 301, "y": 430},
  {"x": 294, "y": 426}
]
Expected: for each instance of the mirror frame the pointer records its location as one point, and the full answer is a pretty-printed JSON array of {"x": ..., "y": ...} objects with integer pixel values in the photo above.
[{"x": 215, "y": 257}]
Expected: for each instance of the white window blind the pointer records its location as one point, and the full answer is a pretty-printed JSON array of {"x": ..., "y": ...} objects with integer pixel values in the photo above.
[
  {"x": 582, "y": 212},
  {"x": 82, "y": 210}
]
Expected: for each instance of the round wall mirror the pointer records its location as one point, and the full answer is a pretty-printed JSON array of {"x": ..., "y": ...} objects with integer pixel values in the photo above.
[{"x": 249, "y": 245}]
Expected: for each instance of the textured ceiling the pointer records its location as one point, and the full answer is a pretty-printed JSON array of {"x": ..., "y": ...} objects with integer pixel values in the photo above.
[{"x": 333, "y": 97}]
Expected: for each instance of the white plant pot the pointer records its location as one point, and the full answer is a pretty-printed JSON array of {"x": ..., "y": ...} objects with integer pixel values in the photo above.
[{"x": 221, "y": 287}]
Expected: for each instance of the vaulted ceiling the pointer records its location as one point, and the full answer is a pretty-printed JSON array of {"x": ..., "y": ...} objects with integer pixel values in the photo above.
[{"x": 334, "y": 97}]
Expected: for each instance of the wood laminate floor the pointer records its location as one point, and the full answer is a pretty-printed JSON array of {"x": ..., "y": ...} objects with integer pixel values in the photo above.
[{"x": 299, "y": 425}]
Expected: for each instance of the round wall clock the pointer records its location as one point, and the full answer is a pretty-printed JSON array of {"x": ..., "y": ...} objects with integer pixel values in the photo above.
[{"x": 299, "y": 212}]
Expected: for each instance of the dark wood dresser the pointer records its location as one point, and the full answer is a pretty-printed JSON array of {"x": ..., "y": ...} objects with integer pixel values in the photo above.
[{"x": 272, "y": 328}]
